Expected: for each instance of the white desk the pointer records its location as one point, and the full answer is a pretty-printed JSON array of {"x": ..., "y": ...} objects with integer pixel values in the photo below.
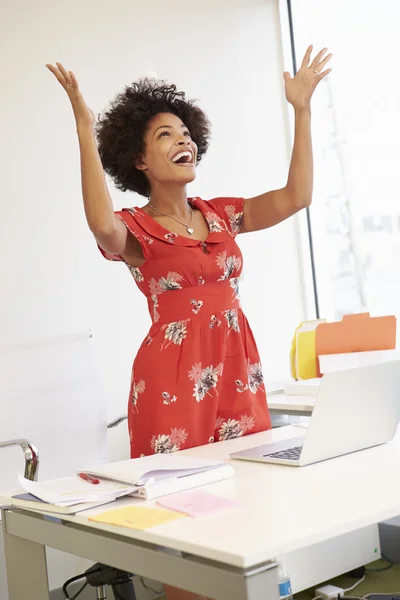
[
  {"x": 232, "y": 555},
  {"x": 282, "y": 404}
]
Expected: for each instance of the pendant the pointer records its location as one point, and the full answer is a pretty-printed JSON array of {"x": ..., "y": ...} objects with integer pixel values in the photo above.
[{"x": 190, "y": 230}]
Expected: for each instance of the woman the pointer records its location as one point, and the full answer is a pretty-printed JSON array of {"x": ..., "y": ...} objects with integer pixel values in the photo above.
[{"x": 197, "y": 377}]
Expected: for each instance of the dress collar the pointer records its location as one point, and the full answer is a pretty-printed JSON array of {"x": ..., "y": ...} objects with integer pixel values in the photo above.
[{"x": 217, "y": 226}]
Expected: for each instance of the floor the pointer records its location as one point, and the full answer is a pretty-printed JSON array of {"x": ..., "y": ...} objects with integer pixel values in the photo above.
[{"x": 377, "y": 580}]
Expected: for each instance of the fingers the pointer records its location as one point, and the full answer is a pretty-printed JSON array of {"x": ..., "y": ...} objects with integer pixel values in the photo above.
[
  {"x": 324, "y": 74},
  {"x": 319, "y": 62},
  {"x": 66, "y": 78},
  {"x": 65, "y": 74},
  {"x": 318, "y": 58},
  {"x": 74, "y": 80},
  {"x": 58, "y": 75},
  {"x": 322, "y": 64},
  {"x": 307, "y": 56}
]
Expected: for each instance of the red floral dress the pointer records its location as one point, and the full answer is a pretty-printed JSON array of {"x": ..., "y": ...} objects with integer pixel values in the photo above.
[{"x": 197, "y": 377}]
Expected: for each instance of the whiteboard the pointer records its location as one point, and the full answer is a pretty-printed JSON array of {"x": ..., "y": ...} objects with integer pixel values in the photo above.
[{"x": 49, "y": 394}]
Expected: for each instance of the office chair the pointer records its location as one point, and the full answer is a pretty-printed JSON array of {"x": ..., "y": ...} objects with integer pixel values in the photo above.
[{"x": 98, "y": 576}]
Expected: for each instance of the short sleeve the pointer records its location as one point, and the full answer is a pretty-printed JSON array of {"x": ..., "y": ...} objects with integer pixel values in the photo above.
[
  {"x": 128, "y": 219},
  {"x": 230, "y": 210}
]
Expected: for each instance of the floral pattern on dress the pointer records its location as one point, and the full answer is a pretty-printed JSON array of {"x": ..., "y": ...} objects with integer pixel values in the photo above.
[
  {"x": 214, "y": 322},
  {"x": 205, "y": 379},
  {"x": 148, "y": 240},
  {"x": 167, "y": 398},
  {"x": 255, "y": 379},
  {"x": 171, "y": 237},
  {"x": 231, "y": 428},
  {"x": 136, "y": 389},
  {"x": 156, "y": 314},
  {"x": 234, "y": 283},
  {"x": 215, "y": 223},
  {"x": 247, "y": 423},
  {"x": 196, "y": 304},
  {"x": 231, "y": 317},
  {"x": 166, "y": 443},
  {"x": 235, "y": 219},
  {"x": 229, "y": 264},
  {"x": 175, "y": 333},
  {"x": 136, "y": 273},
  {"x": 164, "y": 284},
  {"x": 201, "y": 281}
]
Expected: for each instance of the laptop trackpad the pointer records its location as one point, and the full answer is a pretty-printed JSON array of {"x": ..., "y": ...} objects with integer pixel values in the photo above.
[{"x": 259, "y": 451}]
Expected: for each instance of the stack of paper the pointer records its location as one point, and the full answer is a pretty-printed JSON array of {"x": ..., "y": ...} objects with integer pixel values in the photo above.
[
  {"x": 161, "y": 474},
  {"x": 71, "y": 491}
]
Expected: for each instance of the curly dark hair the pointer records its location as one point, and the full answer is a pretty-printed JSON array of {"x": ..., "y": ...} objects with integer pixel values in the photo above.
[{"x": 121, "y": 129}]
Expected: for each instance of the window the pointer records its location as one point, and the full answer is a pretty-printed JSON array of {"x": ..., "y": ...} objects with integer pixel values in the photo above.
[{"x": 354, "y": 219}]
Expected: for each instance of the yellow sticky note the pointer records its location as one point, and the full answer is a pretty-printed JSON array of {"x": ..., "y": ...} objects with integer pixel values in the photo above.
[{"x": 137, "y": 517}]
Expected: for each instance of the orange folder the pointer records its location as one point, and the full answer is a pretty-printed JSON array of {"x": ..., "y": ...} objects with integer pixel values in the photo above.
[{"x": 356, "y": 333}]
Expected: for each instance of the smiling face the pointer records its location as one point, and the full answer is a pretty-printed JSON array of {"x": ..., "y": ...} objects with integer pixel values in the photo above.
[{"x": 170, "y": 154}]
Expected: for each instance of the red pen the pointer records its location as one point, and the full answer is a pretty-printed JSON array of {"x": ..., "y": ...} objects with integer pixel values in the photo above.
[{"x": 89, "y": 478}]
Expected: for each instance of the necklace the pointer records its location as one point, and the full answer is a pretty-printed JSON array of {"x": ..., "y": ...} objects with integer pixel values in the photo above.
[{"x": 188, "y": 228}]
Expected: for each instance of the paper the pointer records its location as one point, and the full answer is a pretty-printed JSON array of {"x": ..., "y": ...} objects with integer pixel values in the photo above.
[
  {"x": 136, "y": 517},
  {"x": 197, "y": 503},
  {"x": 181, "y": 484},
  {"x": 68, "y": 491},
  {"x": 153, "y": 468},
  {"x": 330, "y": 363}
]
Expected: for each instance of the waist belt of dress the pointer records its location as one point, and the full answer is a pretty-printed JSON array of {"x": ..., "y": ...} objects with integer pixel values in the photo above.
[{"x": 194, "y": 301}]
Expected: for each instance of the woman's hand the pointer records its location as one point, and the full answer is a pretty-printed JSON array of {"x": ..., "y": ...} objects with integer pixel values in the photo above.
[
  {"x": 83, "y": 114},
  {"x": 300, "y": 88}
]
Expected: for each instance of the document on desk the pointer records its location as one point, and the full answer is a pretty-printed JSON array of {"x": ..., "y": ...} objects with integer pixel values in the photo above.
[
  {"x": 69, "y": 491},
  {"x": 15, "y": 499},
  {"x": 162, "y": 474},
  {"x": 137, "y": 517},
  {"x": 197, "y": 503}
]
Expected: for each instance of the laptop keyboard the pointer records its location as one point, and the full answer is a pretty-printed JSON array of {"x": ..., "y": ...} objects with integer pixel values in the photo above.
[{"x": 288, "y": 454}]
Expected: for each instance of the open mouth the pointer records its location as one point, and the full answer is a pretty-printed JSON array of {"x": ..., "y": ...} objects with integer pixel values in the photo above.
[{"x": 183, "y": 158}]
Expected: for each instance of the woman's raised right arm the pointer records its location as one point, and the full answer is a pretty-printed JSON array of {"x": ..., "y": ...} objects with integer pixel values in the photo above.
[{"x": 109, "y": 231}]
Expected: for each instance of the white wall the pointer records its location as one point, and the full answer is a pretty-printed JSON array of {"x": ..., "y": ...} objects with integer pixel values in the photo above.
[{"x": 226, "y": 53}]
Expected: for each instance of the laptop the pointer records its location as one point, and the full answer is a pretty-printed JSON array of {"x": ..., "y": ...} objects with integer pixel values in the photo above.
[{"x": 354, "y": 409}]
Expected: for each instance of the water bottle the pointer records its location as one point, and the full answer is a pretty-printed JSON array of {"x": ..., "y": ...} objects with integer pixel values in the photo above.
[{"x": 285, "y": 587}]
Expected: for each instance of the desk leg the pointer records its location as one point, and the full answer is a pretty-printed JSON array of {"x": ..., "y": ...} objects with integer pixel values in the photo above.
[
  {"x": 26, "y": 568},
  {"x": 263, "y": 583}
]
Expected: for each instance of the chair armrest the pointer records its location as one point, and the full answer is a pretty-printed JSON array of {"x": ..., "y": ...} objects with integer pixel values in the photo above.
[
  {"x": 31, "y": 456},
  {"x": 117, "y": 421}
]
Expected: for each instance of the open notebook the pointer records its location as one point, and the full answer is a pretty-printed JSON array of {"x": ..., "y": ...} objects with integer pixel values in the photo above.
[
  {"x": 147, "y": 478},
  {"x": 162, "y": 474}
]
